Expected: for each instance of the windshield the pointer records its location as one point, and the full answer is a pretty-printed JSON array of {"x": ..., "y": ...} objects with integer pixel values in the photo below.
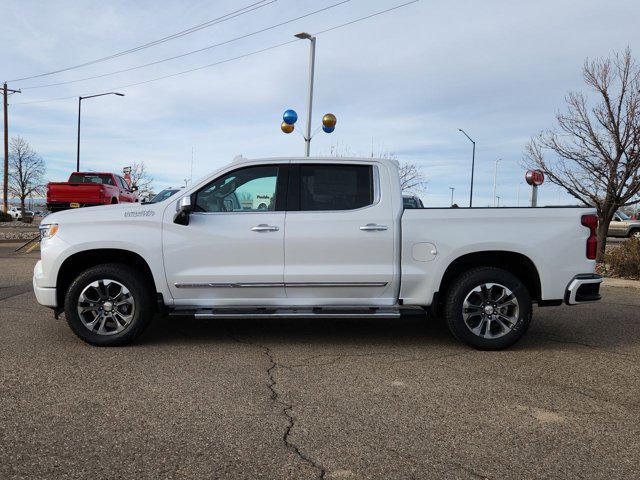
[
  {"x": 623, "y": 215},
  {"x": 91, "y": 178},
  {"x": 163, "y": 195}
]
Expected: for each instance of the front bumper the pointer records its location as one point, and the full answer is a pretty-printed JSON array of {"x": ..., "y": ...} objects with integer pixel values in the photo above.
[
  {"x": 44, "y": 295},
  {"x": 583, "y": 288}
]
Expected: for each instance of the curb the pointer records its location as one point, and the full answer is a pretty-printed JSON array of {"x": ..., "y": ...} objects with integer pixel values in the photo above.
[{"x": 621, "y": 282}]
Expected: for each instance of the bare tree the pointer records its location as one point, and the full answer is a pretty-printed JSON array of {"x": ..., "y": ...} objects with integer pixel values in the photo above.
[
  {"x": 141, "y": 179},
  {"x": 26, "y": 171},
  {"x": 594, "y": 150},
  {"x": 412, "y": 180}
]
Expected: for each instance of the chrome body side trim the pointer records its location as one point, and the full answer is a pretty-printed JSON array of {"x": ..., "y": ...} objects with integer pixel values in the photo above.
[{"x": 278, "y": 284}]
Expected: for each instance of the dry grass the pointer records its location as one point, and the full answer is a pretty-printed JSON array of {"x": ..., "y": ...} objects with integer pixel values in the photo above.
[{"x": 622, "y": 261}]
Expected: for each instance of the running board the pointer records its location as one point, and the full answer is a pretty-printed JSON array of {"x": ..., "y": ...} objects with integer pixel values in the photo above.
[{"x": 289, "y": 312}]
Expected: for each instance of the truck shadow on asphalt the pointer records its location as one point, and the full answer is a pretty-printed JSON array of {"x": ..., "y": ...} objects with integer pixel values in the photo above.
[
  {"x": 552, "y": 329},
  {"x": 408, "y": 329}
]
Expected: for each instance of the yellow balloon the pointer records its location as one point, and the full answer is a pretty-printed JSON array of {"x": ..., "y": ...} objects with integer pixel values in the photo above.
[
  {"x": 286, "y": 128},
  {"x": 329, "y": 120}
]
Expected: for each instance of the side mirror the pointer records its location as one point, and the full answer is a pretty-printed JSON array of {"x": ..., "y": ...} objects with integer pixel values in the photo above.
[{"x": 184, "y": 209}]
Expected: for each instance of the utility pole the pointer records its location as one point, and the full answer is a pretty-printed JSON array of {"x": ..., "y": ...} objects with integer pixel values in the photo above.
[
  {"x": 5, "y": 186},
  {"x": 452, "y": 189},
  {"x": 312, "y": 61},
  {"x": 495, "y": 178}
]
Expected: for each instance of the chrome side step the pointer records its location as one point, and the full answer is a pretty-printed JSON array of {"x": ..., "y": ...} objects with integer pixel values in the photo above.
[{"x": 289, "y": 312}]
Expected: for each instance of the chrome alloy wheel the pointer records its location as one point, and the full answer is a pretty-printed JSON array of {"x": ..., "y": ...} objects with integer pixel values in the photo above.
[
  {"x": 490, "y": 310},
  {"x": 106, "y": 307}
]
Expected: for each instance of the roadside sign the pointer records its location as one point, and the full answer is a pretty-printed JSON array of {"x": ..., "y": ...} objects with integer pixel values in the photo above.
[{"x": 534, "y": 177}]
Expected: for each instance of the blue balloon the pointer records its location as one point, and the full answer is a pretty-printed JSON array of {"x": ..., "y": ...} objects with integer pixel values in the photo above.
[
  {"x": 290, "y": 117},
  {"x": 328, "y": 129}
]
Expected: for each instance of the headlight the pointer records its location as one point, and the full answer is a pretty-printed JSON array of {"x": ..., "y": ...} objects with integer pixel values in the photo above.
[{"x": 48, "y": 231}]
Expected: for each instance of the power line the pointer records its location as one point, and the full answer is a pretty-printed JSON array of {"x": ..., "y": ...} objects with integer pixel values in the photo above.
[
  {"x": 249, "y": 54},
  {"x": 241, "y": 37},
  {"x": 229, "y": 16}
]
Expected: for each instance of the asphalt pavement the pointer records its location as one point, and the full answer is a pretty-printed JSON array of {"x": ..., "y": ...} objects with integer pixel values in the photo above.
[{"x": 335, "y": 399}]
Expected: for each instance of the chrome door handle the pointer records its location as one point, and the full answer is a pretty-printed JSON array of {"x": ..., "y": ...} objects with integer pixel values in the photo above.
[
  {"x": 373, "y": 227},
  {"x": 263, "y": 227}
]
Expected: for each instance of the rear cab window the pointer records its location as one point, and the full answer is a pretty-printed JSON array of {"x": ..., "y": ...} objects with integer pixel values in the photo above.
[{"x": 91, "y": 178}]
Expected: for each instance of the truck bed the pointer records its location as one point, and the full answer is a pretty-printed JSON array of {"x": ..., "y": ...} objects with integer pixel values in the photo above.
[{"x": 552, "y": 238}]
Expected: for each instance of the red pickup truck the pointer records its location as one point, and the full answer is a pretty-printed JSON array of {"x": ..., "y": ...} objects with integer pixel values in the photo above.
[{"x": 86, "y": 189}]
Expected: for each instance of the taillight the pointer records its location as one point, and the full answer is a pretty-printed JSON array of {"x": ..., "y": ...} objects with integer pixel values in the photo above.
[{"x": 591, "y": 222}]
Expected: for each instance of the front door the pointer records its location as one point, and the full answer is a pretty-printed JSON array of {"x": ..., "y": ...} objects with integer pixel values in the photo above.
[
  {"x": 340, "y": 234},
  {"x": 232, "y": 251}
]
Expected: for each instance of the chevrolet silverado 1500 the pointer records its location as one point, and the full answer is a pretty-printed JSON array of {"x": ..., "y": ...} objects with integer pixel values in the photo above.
[{"x": 312, "y": 237}]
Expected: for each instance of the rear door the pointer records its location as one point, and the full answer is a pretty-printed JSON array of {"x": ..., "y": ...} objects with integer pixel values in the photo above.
[{"x": 339, "y": 240}]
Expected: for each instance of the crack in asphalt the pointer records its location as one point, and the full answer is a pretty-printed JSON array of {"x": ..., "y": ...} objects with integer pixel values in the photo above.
[{"x": 286, "y": 408}]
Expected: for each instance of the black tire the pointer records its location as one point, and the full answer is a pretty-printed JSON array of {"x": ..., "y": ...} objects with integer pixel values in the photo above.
[
  {"x": 463, "y": 285},
  {"x": 141, "y": 293},
  {"x": 634, "y": 233}
]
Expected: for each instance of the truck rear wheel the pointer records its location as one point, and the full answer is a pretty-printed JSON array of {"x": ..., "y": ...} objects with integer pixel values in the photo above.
[
  {"x": 488, "y": 308},
  {"x": 109, "y": 305}
]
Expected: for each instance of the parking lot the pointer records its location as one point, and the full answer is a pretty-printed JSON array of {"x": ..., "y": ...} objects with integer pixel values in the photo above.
[{"x": 304, "y": 399}]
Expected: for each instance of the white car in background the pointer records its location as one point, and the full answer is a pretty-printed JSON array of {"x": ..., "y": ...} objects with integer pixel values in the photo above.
[{"x": 16, "y": 213}]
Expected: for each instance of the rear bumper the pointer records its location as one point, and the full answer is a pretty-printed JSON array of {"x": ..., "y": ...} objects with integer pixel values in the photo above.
[
  {"x": 583, "y": 288},
  {"x": 57, "y": 206}
]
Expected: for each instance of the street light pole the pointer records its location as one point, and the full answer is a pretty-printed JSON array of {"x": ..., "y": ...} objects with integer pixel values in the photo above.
[
  {"x": 452, "y": 189},
  {"x": 473, "y": 163},
  {"x": 312, "y": 62},
  {"x": 79, "y": 111},
  {"x": 495, "y": 178}
]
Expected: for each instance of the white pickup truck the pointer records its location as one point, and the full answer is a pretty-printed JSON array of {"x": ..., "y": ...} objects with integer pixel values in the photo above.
[{"x": 329, "y": 238}]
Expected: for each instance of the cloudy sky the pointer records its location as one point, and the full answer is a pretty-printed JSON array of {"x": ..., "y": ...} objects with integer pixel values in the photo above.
[{"x": 401, "y": 82}]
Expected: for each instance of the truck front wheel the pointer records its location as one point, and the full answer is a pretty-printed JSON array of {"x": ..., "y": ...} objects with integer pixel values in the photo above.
[
  {"x": 109, "y": 305},
  {"x": 488, "y": 308}
]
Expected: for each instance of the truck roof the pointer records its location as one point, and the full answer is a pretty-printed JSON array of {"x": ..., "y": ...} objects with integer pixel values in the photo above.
[{"x": 240, "y": 158}]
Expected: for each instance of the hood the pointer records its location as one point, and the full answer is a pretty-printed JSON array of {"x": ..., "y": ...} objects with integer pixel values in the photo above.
[{"x": 121, "y": 211}]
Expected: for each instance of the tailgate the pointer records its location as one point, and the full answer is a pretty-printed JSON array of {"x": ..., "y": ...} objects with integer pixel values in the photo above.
[{"x": 75, "y": 192}]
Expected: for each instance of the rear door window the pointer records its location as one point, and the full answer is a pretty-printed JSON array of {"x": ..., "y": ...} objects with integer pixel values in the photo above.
[{"x": 327, "y": 187}]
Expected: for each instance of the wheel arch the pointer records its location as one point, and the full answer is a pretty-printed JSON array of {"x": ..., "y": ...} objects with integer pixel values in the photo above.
[
  {"x": 80, "y": 261},
  {"x": 515, "y": 263}
]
